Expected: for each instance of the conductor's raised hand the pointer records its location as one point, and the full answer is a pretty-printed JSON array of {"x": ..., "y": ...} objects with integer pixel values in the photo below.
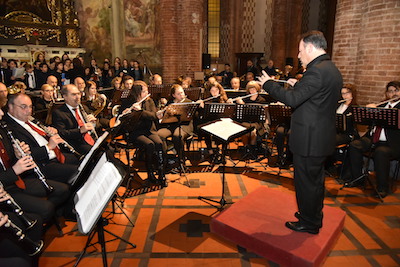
[{"x": 263, "y": 78}]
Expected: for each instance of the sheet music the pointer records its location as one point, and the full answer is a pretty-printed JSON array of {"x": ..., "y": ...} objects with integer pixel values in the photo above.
[
  {"x": 95, "y": 193},
  {"x": 18, "y": 72},
  {"x": 87, "y": 157},
  {"x": 224, "y": 128}
]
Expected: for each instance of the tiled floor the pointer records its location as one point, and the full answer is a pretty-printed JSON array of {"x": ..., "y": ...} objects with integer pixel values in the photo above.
[{"x": 172, "y": 225}]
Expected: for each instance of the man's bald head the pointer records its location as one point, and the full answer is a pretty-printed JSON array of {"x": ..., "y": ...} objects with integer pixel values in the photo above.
[
  {"x": 80, "y": 83},
  {"x": 52, "y": 80}
]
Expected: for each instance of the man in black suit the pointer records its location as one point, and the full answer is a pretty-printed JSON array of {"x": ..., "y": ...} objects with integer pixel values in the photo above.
[
  {"x": 31, "y": 78},
  {"x": 313, "y": 131},
  {"x": 386, "y": 141},
  {"x": 29, "y": 193},
  {"x": 66, "y": 120},
  {"x": 45, "y": 151}
]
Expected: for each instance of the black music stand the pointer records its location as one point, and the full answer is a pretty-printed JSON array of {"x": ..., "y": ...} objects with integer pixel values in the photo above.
[
  {"x": 251, "y": 113},
  {"x": 224, "y": 130},
  {"x": 92, "y": 199},
  {"x": 178, "y": 113},
  {"x": 383, "y": 117}
]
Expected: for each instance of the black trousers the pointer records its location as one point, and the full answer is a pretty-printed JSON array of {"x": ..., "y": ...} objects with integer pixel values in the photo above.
[
  {"x": 61, "y": 172},
  {"x": 382, "y": 155},
  {"x": 309, "y": 182},
  {"x": 34, "y": 198}
]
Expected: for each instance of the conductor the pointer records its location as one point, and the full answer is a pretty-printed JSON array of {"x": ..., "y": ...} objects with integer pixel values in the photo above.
[{"x": 314, "y": 100}]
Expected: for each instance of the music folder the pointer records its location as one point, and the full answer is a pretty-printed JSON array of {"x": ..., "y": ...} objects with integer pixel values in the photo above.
[
  {"x": 93, "y": 197},
  {"x": 224, "y": 129}
]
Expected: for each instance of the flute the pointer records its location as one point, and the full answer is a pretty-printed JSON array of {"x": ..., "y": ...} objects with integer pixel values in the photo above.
[
  {"x": 65, "y": 144},
  {"x": 246, "y": 96},
  {"x": 389, "y": 100},
  {"x": 118, "y": 119},
  {"x": 344, "y": 100},
  {"x": 211, "y": 97},
  {"x": 36, "y": 169},
  {"x": 18, "y": 211},
  {"x": 85, "y": 118}
]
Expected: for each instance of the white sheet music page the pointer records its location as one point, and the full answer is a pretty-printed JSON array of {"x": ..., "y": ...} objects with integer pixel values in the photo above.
[
  {"x": 94, "y": 147},
  {"x": 96, "y": 192},
  {"x": 224, "y": 128}
]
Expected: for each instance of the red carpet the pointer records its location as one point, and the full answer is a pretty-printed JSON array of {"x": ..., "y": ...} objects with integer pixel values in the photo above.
[{"x": 257, "y": 223}]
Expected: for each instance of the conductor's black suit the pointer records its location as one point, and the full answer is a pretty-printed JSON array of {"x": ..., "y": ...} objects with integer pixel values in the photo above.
[{"x": 314, "y": 99}]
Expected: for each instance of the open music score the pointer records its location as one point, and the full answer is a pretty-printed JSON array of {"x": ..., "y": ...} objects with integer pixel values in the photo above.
[{"x": 224, "y": 128}]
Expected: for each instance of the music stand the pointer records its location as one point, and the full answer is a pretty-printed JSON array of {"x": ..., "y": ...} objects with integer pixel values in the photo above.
[
  {"x": 341, "y": 125},
  {"x": 224, "y": 130},
  {"x": 383, "y": 117},
  {"x": 178, "y": 113},
  {"x": 92, "y": 199},
  {"x": 252, "y": 113}
]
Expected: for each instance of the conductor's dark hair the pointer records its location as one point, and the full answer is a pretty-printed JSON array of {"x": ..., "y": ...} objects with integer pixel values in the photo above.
[{"x": 316, "y": 38}]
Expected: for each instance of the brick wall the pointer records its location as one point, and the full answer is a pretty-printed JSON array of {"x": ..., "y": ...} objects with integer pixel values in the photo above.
[
  {"x": 367, "y": 45},
  {"x": 181, "y": 24}
]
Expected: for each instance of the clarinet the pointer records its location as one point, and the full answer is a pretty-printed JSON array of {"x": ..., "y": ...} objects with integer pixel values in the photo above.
[
  {"x": 18, "y": 211},
  {"x": 49, "y": 134},
  {"x": 28, "y": 244},
  {"x": 85, "y": 115},
  {"x": 36, "y": 169}
]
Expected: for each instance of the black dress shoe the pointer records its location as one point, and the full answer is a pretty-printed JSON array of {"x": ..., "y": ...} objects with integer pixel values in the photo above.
[
  {"x": 298, "y": 227},
  {"x": 297, "y": 215}
]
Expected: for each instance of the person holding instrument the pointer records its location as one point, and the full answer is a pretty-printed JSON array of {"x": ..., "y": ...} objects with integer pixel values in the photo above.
[
  {"x": 70, "y": 122},
  {"x": 313, "y": 129},
  {"x": 12, "y": 252},
  {"x": 52, "y": 162},
  {"x": 140, "y": 116},
  {"x": 21, "y": 183},
  {"x": 386, "y": 141},
  {"x": 253, "y": 89},
  {"x": 218, "y": 95},
  {"x": 172, "y": 129}
]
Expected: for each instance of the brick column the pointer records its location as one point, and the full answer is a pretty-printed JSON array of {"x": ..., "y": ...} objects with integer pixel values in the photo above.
[{"x": 367, "y": 45}]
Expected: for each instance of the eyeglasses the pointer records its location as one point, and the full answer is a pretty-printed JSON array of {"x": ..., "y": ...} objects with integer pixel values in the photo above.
[{"x": 23, "y": 106}]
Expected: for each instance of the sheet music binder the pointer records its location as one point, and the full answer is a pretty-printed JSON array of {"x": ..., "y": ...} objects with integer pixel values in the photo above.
[
  {"x": 184, "y": 110},
  {"x": 341, "y": 123},
  {"x": 92, "y": 198},
  {"x": 250, "y": 113},
  {"x": 214, "y": 111}
]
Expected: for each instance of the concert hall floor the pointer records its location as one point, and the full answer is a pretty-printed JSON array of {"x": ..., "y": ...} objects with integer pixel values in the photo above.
[{"x": 172, "y": 225}]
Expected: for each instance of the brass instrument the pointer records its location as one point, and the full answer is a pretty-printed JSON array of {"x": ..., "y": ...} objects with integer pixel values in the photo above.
[
  {"x": 18, "y": 211},
  {"x": 13, "y": 90},
  {"x": 85, "y": 116},
  {"x": 115, "y": 110},
  {"x": 99, "y": 103},
  {"x": 28, "y": 244},
  {"x": 65, "y": 144},
  {"x": 36, "y": 169}
]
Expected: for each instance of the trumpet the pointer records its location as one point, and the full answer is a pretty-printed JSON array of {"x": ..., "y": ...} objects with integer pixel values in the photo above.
[
  {"x": 28, "y": 244},
  {"x": 18, "y": 211},
  {"x": 36, "y": 169},
  {"x": 85, "y": 118},
  {"x": 65, "y": 144}
]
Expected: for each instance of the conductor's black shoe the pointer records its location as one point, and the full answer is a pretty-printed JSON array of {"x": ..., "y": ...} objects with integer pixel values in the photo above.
[
  {"x": 297, "y": 215},
  {"x": 298, "y": 227}
]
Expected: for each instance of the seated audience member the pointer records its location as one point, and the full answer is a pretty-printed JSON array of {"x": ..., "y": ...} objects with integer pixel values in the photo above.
[
  {"x": 30, "y": 77},
  {"x": 70, "y": 122},
  {"x": 23, "y": 184},
  {"x": 42, "y": 74},
  {"x": 5, "y": 73},
  {"x": 386, "y": 142},
  {"x": 226, "y": 75}
]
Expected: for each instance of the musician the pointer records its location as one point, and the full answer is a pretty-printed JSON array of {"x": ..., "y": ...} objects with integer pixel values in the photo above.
[
  {"x": 226, "y": 75},
  {"x": 70, "y": 122},
  {"x": 345, "y": 108},
  {"x": 33, "y": 198},
  {"x": 251, "y": 68},
  {"x": 260, "y": 128},
  {"x": 136, "y": 70},
  {"x": 219, "y": 93},
  {"x": 96, "y": 102},
  {"x": 270, "y": 68},
  {"x": 312, "y": 138},
  {"x": 3, "y": 95},
  {"x": 53, "y": 163},
  {"x": 52, "y": 80},
  {"x": 387, "y": 144},
  {"x": 80, "y": 84},
  {"x": 116, "y": 98},
  {"x": 186, "y": 82},
  {"x": 46, "y": 99},
  {"x": 235, "y": 83},
  {"x": 166, "y": 130},
  {"x": 156, "y": 79},
  {"x": 144, "y": 132}
]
